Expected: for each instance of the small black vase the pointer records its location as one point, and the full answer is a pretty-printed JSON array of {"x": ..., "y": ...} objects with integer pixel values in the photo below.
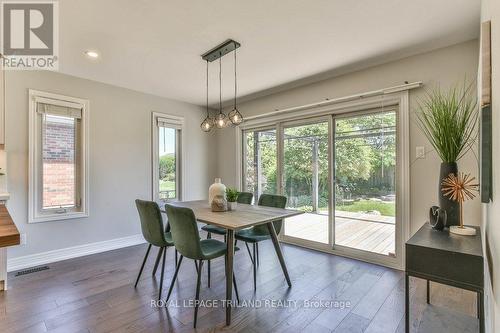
[{"x": 451, "y": 207}]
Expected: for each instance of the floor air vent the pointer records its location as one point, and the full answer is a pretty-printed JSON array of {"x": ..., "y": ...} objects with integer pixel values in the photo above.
[{"x": 32, "y": 270}]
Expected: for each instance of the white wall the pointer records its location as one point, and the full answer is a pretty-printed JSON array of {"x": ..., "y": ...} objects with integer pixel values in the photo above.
[
  {"x": 120, "y": 158},
  {"x": 491, "y": 212},
  {"x": 445, "y": 67}
]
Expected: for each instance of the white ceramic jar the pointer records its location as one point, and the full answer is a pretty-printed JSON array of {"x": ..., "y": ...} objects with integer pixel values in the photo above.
[{"x": 215, "y": 189}]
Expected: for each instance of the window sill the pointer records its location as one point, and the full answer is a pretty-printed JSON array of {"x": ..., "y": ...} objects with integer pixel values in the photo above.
[{"x": 58, "y": 217}]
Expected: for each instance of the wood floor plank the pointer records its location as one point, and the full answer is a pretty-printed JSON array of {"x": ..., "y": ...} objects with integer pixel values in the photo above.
[
  {"x": 373, "y": 300},
  {"x": 352, "y": 324},
  {"x": 351, "y": 292},
  {"x": 390, "y": 313}
]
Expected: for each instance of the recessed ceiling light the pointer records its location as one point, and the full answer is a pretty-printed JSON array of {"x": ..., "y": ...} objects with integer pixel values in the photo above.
[{"x": 92, "y": 54}]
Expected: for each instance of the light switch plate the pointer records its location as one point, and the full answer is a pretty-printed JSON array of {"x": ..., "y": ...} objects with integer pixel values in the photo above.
[{"x": 420, "y": 152}]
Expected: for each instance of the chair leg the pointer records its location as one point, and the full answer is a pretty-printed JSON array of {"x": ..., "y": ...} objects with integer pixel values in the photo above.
[
  {"x": 250, "y": 254},
  {"x": 208, "y": 274},
  {"x": 175, "y": 257},
  {"x": 209, "y": 236},
  {"x": 174, "y": 278},
  {"x": 157, "y": 262},
  {"x": 196, "y": 266},
  {"x": 236, "y": 288},
  {"x": 142, "y": 266},
  {"x": 258, "y": 260},
  {"x": 197, "y": 299},
  {"x": 254, "y": 270},
  {"x": 162, "y": 275}
]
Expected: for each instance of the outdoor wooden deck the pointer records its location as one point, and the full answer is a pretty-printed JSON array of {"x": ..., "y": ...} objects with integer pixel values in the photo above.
[{"x": 376, "y": 234}]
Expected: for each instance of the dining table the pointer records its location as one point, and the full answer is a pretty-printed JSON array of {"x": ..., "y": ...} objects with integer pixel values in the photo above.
[{"x": 243, "y": 216}]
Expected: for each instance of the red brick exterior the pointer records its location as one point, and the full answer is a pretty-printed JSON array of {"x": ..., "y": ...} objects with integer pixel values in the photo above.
[{"x": 58, "y": 163}]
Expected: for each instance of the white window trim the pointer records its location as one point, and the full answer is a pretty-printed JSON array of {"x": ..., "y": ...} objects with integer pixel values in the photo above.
[
  {"x": 342, "y": 106},
  {"x": 177, "y": 123},
  {"x": 33, "y": 215}
]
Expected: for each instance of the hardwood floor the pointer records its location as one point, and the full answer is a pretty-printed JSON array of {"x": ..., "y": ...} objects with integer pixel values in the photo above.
[{"x": 95, "y": 294}]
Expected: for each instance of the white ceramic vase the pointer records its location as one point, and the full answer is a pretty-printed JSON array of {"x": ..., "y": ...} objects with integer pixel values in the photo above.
[
  {"x": 232, "y": 205},
  {"x": 219, "y": 204},
  {"x": 215, "y": 189}
]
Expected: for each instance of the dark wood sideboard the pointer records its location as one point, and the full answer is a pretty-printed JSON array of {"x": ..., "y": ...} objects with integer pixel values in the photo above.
[{"x": 448, "y": 259}]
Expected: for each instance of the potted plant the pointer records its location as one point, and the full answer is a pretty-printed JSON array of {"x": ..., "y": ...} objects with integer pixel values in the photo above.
[
  {"x": 449, "y": 119},
  {"x": 231, "y": 196}
]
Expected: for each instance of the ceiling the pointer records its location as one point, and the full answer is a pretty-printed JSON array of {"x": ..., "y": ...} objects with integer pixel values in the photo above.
[{"x": 154, "y": 46}]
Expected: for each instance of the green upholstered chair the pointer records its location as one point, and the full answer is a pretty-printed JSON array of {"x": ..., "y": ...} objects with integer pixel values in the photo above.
[
  {"x": 154, "y": 234},
  {"x": 260, "y": 233},
  {"x": 244, "y": 198},
  {"x": 186, "y": 238}
]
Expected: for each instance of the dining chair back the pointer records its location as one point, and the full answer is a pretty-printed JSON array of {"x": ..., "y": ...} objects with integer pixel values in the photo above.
[
  {"x": 245, "y": 198},
  {"x": 272, "y": 200},
  {"x": 154, "y": 234},
  {"x": 151, "y": 222},
  {"x": 187, "y": 241},
  {"x": 184, "y": 231}
]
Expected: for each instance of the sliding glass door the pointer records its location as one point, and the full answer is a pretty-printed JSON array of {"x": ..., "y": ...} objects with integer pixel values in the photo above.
[
  {"x": 305, "y": 178},
  {"x": 341, "y": 171},
  {"x": 365, "y": 182}
]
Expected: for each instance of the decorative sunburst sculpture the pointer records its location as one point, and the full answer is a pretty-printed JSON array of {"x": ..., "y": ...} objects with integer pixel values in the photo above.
[{"x": 460, "y": 188}]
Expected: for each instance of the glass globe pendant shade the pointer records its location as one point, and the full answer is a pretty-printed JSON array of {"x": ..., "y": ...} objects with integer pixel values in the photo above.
[
  {"x": 235, "y": 117},
  {"x": 207, "y": 124},
  {"x": 220, "y": 120}
]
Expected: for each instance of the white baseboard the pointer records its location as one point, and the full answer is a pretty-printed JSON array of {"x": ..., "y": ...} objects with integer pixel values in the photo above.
[{"x": 43, "y": 258}]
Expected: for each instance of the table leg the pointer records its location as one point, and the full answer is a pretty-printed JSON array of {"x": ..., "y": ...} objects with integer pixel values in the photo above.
[
  {"x": 428, "y": 292},
  {"x": 277, "y": 247},
  {"x": 407, "y": 303},
  {"x": 480, "y": 308},
  {"x": 229, "y": 274}
]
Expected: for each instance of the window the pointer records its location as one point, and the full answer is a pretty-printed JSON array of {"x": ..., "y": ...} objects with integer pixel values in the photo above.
[
  {"x": 166, "y": 157},
  {"x": 58, "y": 157}
]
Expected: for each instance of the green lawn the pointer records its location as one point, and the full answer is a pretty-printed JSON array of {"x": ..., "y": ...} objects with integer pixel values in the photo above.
[
  {"x": 385, "y": 208},
  {"x": 167, "y": 185}
]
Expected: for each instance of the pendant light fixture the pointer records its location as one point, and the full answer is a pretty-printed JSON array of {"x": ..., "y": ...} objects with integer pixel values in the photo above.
[
  {"x": 220, "y": 119},
  {"x": 208, "y": 123},
  {"x": 234, "y": 117}
]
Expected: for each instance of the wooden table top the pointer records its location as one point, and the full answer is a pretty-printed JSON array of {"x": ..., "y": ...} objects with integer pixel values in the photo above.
[
  {"x": 243, "y": 216},
  {"x": 9, "y": 235}
]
